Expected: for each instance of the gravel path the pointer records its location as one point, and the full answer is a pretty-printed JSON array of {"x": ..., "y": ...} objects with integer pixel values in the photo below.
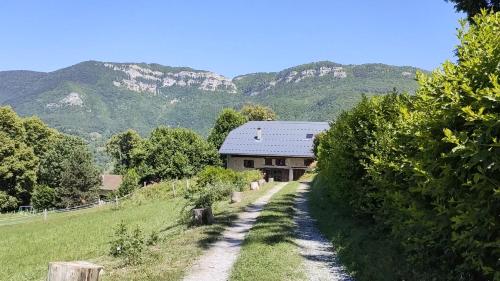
[
  {"x": 320, "y": 259},
  {"x": 216, "y": 263}
]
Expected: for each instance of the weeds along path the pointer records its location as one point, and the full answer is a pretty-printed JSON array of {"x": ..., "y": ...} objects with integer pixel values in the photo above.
[
  {"x": 319, "y": 256},
  {"x": 216, "y": 263}
]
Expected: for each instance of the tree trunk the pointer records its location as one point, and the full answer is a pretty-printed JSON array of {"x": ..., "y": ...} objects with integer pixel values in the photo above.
[
  {"x": 73, "y": 271},
  {"x": 203, "y": 216}
]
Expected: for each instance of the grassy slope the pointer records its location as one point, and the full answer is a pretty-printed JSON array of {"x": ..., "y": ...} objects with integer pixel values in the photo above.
[
  {"x": 268, "y": 252},
  {"x": 84, "y": 235},
  {"x": 366, "y": 256}
]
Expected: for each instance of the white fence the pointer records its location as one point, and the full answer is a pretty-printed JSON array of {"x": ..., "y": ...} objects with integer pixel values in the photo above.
[{"x": 27, "y": 216}]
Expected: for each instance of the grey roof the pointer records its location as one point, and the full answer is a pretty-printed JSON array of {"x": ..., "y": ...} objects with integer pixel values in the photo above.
[{"x": 279, "y": 138}]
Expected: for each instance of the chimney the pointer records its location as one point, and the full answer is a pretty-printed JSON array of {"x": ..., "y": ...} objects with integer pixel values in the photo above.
[{"x": 259, "y": 134}]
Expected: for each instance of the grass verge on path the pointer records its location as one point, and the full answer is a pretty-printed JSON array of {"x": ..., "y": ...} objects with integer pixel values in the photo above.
[
  {"x": 366, "y": 255},
  {"x": 26, "y": 249},
  {"x": 269, "y": 252}
]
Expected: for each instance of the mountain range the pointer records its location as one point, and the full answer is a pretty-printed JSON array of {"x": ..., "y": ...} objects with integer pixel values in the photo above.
[{"x": 96, "y": 99}]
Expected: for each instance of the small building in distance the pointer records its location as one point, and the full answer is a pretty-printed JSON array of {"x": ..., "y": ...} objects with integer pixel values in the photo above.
[
  {"x": 109, "y": 184},
  {"x": 282, "y": 150}
]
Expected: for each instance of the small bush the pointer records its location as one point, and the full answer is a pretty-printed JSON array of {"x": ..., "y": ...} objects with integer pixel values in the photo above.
[
  {"x": 128, "y": 245},
  {"x": 212, "y": 175},
  {"x": 206, "y": 196},
  {"x": 43, "y": 197},
  {"x": 130, "y": 183}
]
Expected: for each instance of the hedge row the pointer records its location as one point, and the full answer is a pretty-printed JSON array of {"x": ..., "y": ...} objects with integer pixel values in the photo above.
[{"x": 426, "y": 168}]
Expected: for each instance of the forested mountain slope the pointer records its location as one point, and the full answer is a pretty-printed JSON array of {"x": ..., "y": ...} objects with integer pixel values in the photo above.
[{"x": 96, "y": 99}]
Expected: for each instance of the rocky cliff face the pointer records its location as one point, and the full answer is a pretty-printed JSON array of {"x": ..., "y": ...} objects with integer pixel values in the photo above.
[{"x": 144, "y": 79}]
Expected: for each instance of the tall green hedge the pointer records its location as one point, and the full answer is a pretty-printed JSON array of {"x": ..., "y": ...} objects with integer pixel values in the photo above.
[{"x": 426, "y": 168}]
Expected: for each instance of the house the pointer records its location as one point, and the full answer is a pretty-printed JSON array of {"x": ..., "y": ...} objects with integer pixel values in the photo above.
[
  {"x": 282, "y": 150},
  {"x": 109, "y": 184}
]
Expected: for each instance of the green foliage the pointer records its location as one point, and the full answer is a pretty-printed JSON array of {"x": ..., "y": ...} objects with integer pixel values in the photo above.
[
  {"x": 256, "y": 112},
  {"x": 127, "y": 244},
  {"x": 250, "y": 176},
  {"x": 227, "y": 120},
  {"x": 425, "y": 169},
  {"x": 7, "y": 202},
  {"x": 215, "y": 174},
  {"x": 174, "y": 153},
  {"x": 79, "y": 179},
  {"x": 51, "y": 163},
  {"x": 18, "y": 163},
  {"x": 130, "y": 182},
  {"x": 206, "y": 196},
  {"x": 121, "y": 148},
  {"x": 43, "y": 197},
  {"x": 473, "y": 7}
]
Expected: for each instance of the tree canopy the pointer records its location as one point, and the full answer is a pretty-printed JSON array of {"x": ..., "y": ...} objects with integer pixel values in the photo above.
[
  {"x": 121, "y": 148},
  {"x": 257, "y": 112},
  {"x": 473, "y": 7},
  {"x": 227, "y": 120},
  {"x": 32, "y": 155}
]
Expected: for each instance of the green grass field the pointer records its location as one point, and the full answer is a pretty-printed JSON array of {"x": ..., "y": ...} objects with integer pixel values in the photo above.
[
  {"x": 27, "y": 248},
  {"x": 268, "y": 252}
]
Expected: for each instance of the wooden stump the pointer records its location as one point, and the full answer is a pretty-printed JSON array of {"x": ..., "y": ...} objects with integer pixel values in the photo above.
[
  {"x": 73, "y": 271},
  {"x": 203, "y": 216},
  {"x": 262, "y": 182},
  {"x": 236, "y": 197},
  {"x": 254, "y": 185},
  {"x": 270, "y": 180}
]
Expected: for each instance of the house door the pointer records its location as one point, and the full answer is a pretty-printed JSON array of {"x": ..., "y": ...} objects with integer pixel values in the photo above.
[{"x": 276, "y": 174}]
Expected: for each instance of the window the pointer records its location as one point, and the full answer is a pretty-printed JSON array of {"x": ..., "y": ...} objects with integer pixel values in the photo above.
[
  {"x": 309, "y": 136},
  {"x": 268, "y": 161},
  {"x": 280, "y": 162},
  {"x": 308, "y": 162},
  {"x": 248, "y": 163}
]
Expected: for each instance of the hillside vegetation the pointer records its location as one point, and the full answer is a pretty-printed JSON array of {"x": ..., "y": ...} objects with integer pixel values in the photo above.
[
  {"x": 423, "y": 170},
  {"x": 96, "y": 99}
]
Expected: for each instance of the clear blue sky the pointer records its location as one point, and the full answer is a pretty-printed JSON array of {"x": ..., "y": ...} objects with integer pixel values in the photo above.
[{"x": 228, "y": 37}]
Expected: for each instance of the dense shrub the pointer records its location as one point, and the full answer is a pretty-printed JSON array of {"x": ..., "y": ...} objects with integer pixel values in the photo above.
[
  {"x": 215, "y": 174},
  {"x": 426, "y": 169},
  {"x": 207, "y": 195},
  {"x": 130, "y": 183},
  {"x": 43, "y": 197}
]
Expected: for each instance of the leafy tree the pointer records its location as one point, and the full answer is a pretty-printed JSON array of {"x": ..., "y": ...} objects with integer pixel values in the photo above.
[
  {"x": 18, "y": 163},
  {"x": 121, "y": 148},
  {"x": 38, "y": 135},
  {"x": 175, "y": 153},
  {"x": 256, "y": 112},
  {"x": 43, "y": 197},
  {"x": 52, "y": 162},
  {"x": 473, "y": 7},
  {"x": 79, "y": 179},
  {"x": 228, "y": 120}
]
